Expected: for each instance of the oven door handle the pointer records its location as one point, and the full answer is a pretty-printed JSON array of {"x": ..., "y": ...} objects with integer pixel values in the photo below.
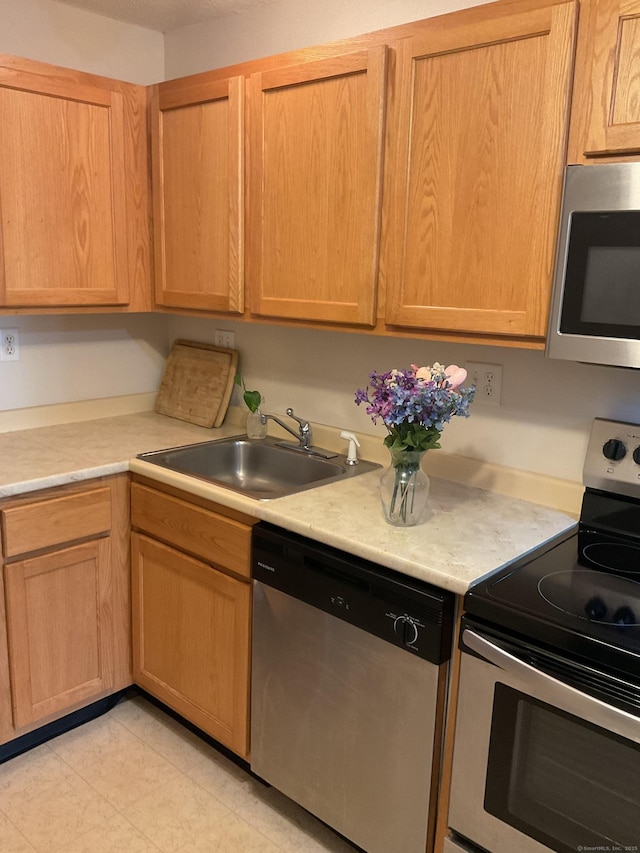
[{"x": 554, "y": 692}]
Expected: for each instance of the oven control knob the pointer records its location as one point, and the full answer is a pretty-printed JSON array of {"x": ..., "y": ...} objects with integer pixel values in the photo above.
[
  {"x": 614, "y": 449},
  {"x": 406, "y": 628},
  {"x": 636, "y": 455},
  {"x": 624, "y": 616}
]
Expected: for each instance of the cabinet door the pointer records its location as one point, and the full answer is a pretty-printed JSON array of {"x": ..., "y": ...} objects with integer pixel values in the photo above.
[
  {"x": 59, "y": 628},
  {"x": 607, "y": 91},
  {"x": 314, "y": 198},
  {"x": 478, "y": 138},
  {"x": 6, "y": 713},
  {"x": 191, "y": 628},
  {"x": 198, "y": 163},
  {"x": 63, "y": 237}
]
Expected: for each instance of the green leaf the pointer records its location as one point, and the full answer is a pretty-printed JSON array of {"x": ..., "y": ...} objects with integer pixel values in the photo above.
[
  {"x": 252, "y": 399},
  {"x": 412, "y": 437}
]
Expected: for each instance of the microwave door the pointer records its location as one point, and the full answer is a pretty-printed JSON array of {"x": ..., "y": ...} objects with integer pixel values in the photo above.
[{"x": 595, "y": 312}]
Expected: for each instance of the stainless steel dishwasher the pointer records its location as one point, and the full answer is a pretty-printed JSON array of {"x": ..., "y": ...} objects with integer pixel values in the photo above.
[{"x": 347, "y": 689}]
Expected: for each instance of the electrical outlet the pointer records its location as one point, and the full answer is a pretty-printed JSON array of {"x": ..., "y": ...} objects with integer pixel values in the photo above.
[
  {"x": 223, "y": 338},
  {"x": 488, "y": 381},
  {"x": 10, "y": 347}
]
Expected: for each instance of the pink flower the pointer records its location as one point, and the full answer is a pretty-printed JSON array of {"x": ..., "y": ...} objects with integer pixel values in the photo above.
[{"x": 455, "y": 375}]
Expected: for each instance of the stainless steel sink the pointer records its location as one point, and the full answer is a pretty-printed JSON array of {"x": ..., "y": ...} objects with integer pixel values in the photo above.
[{"x": 261, "y": 469}]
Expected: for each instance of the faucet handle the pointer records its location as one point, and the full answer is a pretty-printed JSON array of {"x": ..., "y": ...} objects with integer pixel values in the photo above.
[
  {"x": 304, "y": 430},
  {"x": 303, "y": 424}
]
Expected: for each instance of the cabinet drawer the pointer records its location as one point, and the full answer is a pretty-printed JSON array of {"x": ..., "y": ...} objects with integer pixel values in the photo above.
[
  {"x": 196, "y": 530},
  {"x": 47, "y": 523}
]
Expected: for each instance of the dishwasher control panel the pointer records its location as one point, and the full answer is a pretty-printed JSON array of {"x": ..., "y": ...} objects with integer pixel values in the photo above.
[{"x": 400, "y": 610}]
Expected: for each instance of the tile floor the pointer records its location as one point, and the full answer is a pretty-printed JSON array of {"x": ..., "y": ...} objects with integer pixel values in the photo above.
[{"x": 136, "y": 781}]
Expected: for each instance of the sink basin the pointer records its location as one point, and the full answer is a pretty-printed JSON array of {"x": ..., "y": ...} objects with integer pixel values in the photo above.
[{"x": 261, "y": 469}]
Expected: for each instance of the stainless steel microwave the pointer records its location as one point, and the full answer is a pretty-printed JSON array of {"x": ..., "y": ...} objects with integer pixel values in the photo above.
[{"x": 595, "y": 308}]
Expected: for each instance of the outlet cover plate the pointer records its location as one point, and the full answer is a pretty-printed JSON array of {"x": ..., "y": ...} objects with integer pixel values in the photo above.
[
  {"x": 9, "y": 345},
  {"x": 488, "y": 381}
]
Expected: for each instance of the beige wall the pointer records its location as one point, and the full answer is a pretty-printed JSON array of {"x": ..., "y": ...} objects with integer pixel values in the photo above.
[
  {"x": 65, "y": 359},
  {"x": 288, "y": 25},
  {"x": 64, "y": 35}
]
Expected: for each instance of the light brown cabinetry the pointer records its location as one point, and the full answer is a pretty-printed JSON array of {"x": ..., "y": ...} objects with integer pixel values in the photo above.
[
  {"x": 198, "y": 180},
  {"x": 315, "y": 166},
  {"x": 73, "y": 190},
  {"x": 66, "y": 601},
  {"x": 6, "y": 711},
  {"x": 478, "y": 138},
  {"x": 606, "y": 109},
  {"x": 192, "y": 610},
  {"x": 404, "y": 181}
]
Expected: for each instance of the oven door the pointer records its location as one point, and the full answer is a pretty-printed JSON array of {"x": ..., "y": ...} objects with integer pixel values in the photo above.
[{"x": 539, "y": 765}]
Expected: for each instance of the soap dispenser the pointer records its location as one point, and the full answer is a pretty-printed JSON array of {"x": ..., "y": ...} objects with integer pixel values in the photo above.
[{"x": 352, "y": 453}]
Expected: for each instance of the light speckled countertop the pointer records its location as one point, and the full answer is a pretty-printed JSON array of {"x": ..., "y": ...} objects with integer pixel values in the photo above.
[{"x": 468, "y": 533}]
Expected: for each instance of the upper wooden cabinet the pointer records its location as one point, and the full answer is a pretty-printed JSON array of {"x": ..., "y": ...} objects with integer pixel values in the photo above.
[
  {"x": 477, "y": 149},
  {"x": 198, "y": 163},
  {"x": 315, "y": 172},
  {"x": 606, "y": 110},
  {"x": 73, "y": 189}
]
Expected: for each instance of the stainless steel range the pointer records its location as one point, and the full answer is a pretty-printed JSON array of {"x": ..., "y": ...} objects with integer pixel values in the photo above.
[{"x": 547, "y": 741}]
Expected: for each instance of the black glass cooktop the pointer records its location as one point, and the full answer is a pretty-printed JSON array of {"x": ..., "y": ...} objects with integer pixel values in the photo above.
[{"x": 579, "y": 594}]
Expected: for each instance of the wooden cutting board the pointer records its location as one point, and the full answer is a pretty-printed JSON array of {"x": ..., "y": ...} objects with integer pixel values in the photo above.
[{"x": 197, "y": 383}]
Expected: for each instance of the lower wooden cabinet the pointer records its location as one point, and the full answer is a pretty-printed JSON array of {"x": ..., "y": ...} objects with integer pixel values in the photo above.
[
  {"x": 58, "y": 630},
  {"x": 192, "y": 611},
  {"x": 191, "y": 634},
  {"x": 6, "y": 712},
  {"x": 66, "y": 606}
]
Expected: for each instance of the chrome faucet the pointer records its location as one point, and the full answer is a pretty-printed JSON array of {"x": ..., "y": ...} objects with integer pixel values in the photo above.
[{"x": 303, "y": 435}]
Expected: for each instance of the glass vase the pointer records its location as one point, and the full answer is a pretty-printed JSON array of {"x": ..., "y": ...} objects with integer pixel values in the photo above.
[
  {"x": 404, "y": 489},
  {"x": 255, "y": 427}
]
